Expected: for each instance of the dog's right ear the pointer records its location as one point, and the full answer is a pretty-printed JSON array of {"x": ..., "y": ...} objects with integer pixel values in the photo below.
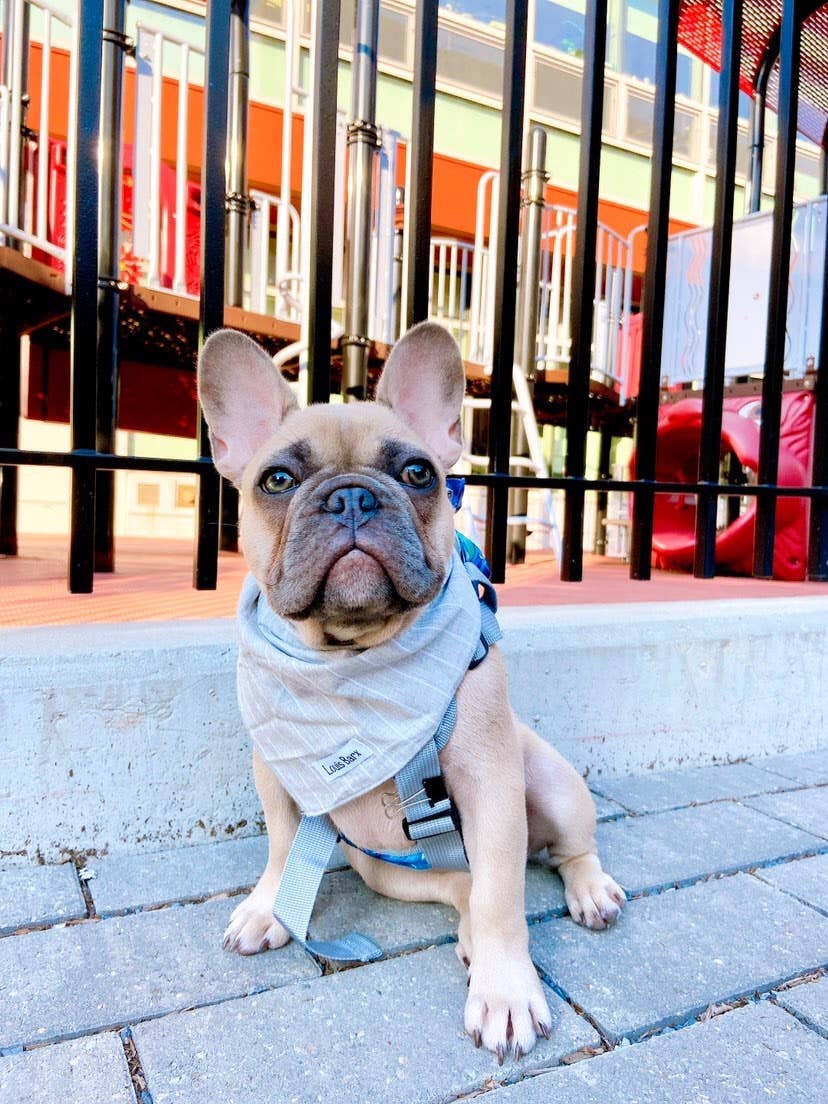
[{"x": 244, "y": 398}]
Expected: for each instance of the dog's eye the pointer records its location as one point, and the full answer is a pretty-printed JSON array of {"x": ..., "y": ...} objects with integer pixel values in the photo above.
[
  {"x": 418, "y": 474},
  {"x": 276, "y": 481}
]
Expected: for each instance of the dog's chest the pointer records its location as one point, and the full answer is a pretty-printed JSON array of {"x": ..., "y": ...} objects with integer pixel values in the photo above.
[{"x": 373, "y": 821}]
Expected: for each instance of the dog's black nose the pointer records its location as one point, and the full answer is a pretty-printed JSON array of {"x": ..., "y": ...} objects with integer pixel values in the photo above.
[{"x": 351, "y": 506}]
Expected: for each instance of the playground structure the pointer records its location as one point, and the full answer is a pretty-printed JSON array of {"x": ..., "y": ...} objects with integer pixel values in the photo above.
[{"x": 150, "y": 255}]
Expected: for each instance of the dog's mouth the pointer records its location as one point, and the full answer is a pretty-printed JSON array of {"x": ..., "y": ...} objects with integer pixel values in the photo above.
[{"x": 355, "y": 588}]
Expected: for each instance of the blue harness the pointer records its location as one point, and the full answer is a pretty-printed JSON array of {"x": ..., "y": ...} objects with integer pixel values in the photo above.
[{"x": 430, "y": 817}]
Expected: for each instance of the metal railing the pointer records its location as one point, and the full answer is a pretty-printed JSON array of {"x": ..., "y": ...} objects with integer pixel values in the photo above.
[{"x": 590, "y": 288}]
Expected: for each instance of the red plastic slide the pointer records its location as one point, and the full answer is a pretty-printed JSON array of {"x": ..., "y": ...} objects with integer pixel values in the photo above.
[{"x": 679, "y": 434}]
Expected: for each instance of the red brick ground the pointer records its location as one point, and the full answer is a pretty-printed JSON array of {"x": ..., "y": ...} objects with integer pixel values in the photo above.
[{"x": 153, "y": 582}]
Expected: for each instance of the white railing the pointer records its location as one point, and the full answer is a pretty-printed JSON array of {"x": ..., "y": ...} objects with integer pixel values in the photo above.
[
  {"x": 162, "y": 247},
  {"x": 452, "y": 269},
  {"x": 274, "y": 289},
  {"x": 30, "y": 218}
]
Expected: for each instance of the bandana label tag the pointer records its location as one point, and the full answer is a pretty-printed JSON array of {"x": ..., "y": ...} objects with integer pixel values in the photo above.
[{"x": 347, "y": 757}]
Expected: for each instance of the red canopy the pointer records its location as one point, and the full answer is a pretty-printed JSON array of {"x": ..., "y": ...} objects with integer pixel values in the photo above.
[{"x": 700, "y": 31}]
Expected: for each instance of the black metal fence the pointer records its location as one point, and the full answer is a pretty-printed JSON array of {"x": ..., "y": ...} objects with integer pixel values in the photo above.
[{"x": 93, "y": 343}]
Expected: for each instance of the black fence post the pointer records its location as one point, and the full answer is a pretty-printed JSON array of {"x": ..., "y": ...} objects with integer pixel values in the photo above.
[
  {"x": 421, "y": 164},
  {"x": 323, "y": 185},
  {"x": 818, "y": 527},
  {"x": 717, "y": 310},
  {"x": 641, "y": 544},
  {"x": 505, "y": 299},
  {"x": 83, "y": 339},
  {"x": 769, "y": 434},
  {"x": 213, "y": 255},
  {"x": 583, "y": 289}
]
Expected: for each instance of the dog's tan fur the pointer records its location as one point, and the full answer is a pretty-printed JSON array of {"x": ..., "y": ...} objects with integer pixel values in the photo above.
[{"x": 514, "y": 792}]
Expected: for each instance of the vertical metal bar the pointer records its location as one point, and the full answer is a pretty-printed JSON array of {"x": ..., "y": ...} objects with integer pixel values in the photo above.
[
  {"x": 238, "y": 207},
  {"x": 704, "y": 566},
  {"x": 323, "y": 138},
  {"x": 9, "y": 435},
  {"x": 757, "y": 120},
  {"x": 420, "y": 164},
  {"x": 534, "y": 183},
  {"x": 108, "y": 257},
  {"x": 769, "y": 433},
  {"x": 363, "y": 142},
  {"x": 604, "y": 472},
  {"x": 83, "y": 338},
  {"x": 505, "y": 291},
  {"x": 583, "y": 289},
  {"x": 213, "y": 255},
  {"x": 182, "y": 133},
  {"x": 43, "y": 127},
  {"x": 653, "y": 292},
  {"x": 818, "y": 526}
]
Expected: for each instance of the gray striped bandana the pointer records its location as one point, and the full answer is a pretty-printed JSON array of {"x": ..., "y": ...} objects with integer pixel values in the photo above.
[{"x": 333, "y": 723}]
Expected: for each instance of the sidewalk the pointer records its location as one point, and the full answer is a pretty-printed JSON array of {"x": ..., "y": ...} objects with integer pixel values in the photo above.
[{"x": 711, "y": 988}]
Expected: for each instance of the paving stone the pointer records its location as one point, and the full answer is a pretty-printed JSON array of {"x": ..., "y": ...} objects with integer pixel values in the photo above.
[
  {"x": 671, "y": 955},
  {"x": 806, "y": 879},
  {"x": 544, "y": 891},
  {"x": 751, "y": 1054},
  {"x": 392, "y": 1031},
  {"x": 346, "y": 904},
  {"x": 809, "y": 1002},
  {"x": 806, "y": 809},
  {"x": 39, "y": 895},
  {"x": 605, "y": 809},
  {"x": 662, "y": 849},
  {"x": 131, "y": 881},
  {"x": 78, "y": 1072},
  {"x": 649, "y": 793},
  {"x": 810, "y": 768},
  {"x": 78, "y": 979}
]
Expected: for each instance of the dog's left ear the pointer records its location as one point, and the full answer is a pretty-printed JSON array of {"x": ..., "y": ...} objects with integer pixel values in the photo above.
[{"x": 424, "y": 382}]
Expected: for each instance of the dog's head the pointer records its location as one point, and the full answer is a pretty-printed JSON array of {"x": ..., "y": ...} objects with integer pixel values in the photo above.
[{"x": 346, "y": 524}]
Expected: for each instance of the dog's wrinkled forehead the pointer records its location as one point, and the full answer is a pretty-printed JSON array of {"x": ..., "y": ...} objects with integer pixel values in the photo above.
[{"x": 341, "y": 439}]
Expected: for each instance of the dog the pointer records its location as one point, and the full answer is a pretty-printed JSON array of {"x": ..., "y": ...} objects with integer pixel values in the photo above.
[{"x": 349, "y": 534}]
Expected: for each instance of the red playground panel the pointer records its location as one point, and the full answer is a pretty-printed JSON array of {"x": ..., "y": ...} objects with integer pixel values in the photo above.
[{"x": 679, "y": 436}]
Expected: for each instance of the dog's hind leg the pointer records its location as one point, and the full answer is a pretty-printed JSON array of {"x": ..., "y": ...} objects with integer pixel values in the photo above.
[
  {"x": 561, "y": 816},
  {"x": 252, "y": 926}
]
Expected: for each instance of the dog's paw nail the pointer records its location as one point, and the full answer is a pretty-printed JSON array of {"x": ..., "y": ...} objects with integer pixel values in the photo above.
[
  {"x": 500, "y": 1051},
  {"x": 477, "y": 1038},
  {"x": 545, "y": 1030},
  {"x": 581, "y": 918},
  {"x": 518, "y": 1053},
  {"x": 466, "y": 962}
]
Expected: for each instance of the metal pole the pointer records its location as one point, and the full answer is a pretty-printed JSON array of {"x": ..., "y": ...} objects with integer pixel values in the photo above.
[
  {"x": 285, "y": 193},
  {"x": 213, "y": 256},
  {"x": 818, "y": 534},
  {"x": 583, "y": 290},
  {"x": 83, "y": 337},
  {"x": 769, "y": 434},
  {"x": 363, "y": 142},
  {"x": 421, "y": 165},
  {"x": 717, "y": 312},
  {"x": 114, "y": 44},
  {"x": 757, "y": 150},
  {"x": 655, "y": 273},
  {"x": 534, "y": 182},
  {"x": 503, "y": 324},
  {"x": 322, "y": 194},
  {"x": 238, "y": 210}
]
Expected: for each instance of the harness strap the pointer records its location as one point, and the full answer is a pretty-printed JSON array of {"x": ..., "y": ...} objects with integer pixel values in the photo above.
[{"x": 307, "y": 860}]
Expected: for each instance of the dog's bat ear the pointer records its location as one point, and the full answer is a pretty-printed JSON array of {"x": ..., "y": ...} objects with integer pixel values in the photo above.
[
  {"x": 244, "y": 398},
  {"x": 424, "y": 382}
]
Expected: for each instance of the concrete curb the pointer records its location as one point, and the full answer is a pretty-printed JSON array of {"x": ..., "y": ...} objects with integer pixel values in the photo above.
[{"x": 116, "y": 737}]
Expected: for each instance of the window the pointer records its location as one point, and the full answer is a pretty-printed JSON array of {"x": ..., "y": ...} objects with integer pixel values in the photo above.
[
  {"x": 148, "y": 495},
  {"x": 271, "y": 12},
  {"x": 557, "y": 91},
  {"x": 394, "y": 35},
  {"x": 639, "y": 126},
  {"x": 185, "y": 496},
  {"x": 468, "y": 62},
  {"x": 561, "y": 26}
]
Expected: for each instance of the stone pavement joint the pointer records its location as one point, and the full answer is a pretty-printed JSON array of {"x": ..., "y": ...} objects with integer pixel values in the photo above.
[
  {"x": 37, "y": 896},
  {"x": 808, "y": 1002}
]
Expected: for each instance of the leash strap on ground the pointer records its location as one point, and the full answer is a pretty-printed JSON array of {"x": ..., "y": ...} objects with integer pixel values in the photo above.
[{"x": 307, "y": 861}]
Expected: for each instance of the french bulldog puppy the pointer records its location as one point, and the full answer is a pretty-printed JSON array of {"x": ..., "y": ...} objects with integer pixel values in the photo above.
[{"x": 359, "y": 585}]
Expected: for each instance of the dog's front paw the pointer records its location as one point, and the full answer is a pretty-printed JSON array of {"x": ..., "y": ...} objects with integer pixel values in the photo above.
[
  {"x": 506, "y": 1006},
  {"x": 593, "y": 898},
  {"x": 253, "y": 927}
]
